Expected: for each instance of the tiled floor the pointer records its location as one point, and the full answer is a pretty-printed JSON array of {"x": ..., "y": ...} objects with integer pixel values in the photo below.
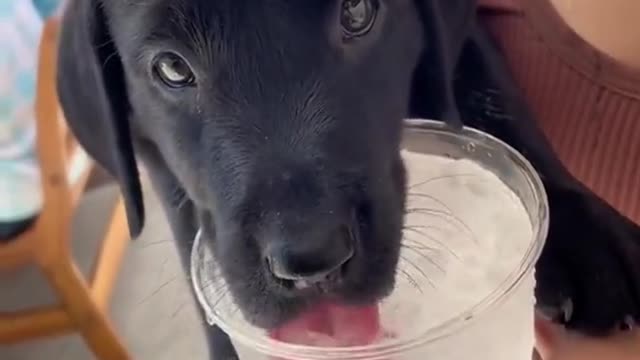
[{"x": 152, "y": 307}]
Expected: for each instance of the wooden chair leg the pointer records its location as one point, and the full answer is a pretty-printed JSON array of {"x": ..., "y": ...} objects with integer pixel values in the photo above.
[
  {"x": 112, "y": 250},
  {"x": 91, "y": 320}
]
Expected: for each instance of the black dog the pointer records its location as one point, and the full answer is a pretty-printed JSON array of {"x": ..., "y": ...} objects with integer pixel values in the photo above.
[{"x": 275, "y": 126}]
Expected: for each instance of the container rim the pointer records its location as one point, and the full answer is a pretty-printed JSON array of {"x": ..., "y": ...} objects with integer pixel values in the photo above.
[{"x": 465, "y": 319}]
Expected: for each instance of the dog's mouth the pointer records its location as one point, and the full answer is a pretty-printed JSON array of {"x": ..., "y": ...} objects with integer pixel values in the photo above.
[
  {"x": 307, "y": 280},
  {"x": 321, "y": 285},
  {"x": 328, "y": 321},
  {"x": 327, "y": 324}
]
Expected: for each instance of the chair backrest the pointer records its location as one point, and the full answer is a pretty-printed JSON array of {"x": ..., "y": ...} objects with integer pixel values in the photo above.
[{"x": 64, "y": 165}]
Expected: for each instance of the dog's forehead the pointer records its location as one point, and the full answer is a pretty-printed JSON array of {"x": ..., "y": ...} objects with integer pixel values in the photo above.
[
  {"x": 224, "y": 11},
  {"x": 222, "y": 22},
  {"x": 231, "y": 20}
]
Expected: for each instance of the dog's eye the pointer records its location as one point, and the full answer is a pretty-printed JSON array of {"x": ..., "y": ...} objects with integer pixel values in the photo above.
[
  {"x": 358, "y": 16},
  {"x": 173, "y": 70}
]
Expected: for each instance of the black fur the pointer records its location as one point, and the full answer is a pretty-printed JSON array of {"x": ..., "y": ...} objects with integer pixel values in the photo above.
[{"x": 290, "y": 129}]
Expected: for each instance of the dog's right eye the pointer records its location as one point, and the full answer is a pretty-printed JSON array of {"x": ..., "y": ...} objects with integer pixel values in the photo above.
[
  {"x": 173, "y": 70},
  {"x": 358, "y": 16}
]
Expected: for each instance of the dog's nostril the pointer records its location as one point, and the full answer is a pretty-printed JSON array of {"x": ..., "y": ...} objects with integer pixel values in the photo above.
[{"x": 311, "y": 261}]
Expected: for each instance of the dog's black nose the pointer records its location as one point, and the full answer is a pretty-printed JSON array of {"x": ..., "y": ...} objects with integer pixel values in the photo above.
[{"x": 309, "y": 261}]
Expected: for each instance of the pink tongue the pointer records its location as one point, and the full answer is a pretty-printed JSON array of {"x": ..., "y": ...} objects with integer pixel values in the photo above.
[{"x": 332, "y": 325}]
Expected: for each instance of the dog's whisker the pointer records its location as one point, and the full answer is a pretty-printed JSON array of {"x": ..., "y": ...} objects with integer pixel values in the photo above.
[
  {"x": 430, "y": 197},
  {"x": 234, "y": 311},
  {"x": 220, "y": 298},
  {"x": 447, "y": 217},
  {"x": 215, "y": 291},
  {"x": 418, "y": 245},
  {"x": 218, "y": 283},
  {"x": 182, "y": 202},
  {"x": 423, "y": 234},
  {"x": 180, "y": 308},
  {"x": 107, "y": 42},
  {"x": 415, "y": 245},
  {"x": 157, "y": 290},
  {"x": 424, "y": 256},
  {"x": 410, "y": 279},
  {"x": 438, "y": 242},
  {"x": 210, "y": 263},
  {"x": 179, "y": 198},
  {"x": 424, "y": 228},
  {"x": 153, "y": 243},
  {"x": 262, "y": 295},
  {"x": 113, "y": 55},
  {"x": 442, "y": 245},
  {"x": 213, "y": 280},
  {"x": 438, "y": 178},
  {"x": 418, "y": 269},
  {"x": 445, "y": 214}
]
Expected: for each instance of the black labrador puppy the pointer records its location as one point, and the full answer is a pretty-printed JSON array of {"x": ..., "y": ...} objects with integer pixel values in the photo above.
[{"x": 275, "y": 127}]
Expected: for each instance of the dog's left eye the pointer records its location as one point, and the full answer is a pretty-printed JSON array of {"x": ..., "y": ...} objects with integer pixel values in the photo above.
[
  {"x": 173, "y": 70},
  {"x": 357, "y": 16}
]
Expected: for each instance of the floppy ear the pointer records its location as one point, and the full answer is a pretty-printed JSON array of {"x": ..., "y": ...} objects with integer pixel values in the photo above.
[
  {"x": 446, "y": 24},
  {"x": 93, "y": 96}
]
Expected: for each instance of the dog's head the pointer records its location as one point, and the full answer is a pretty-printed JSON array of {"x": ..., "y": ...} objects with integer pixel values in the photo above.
[{"x": 280, "y": 119}]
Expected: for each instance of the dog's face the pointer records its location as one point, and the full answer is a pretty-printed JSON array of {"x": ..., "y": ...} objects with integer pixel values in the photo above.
[{"x": 282, "y": 122}]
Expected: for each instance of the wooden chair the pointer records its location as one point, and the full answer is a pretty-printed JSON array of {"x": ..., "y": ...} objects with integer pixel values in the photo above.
[{"x": 65, "y": 169}]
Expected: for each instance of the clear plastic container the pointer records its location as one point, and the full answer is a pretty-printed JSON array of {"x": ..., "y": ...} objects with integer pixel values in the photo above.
[{"x": 442, "y": 307}]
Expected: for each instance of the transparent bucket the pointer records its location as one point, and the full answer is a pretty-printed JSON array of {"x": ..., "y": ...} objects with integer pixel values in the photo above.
[{"x": 438, "y": 310}]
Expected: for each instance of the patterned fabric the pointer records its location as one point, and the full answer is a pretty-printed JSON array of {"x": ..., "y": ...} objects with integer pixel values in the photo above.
[
  {"x": 20, "y": 29},
  {"x": 587, "y": 104}
]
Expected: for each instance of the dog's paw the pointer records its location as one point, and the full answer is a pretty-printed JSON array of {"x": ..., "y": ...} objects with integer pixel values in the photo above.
[{"x": 589, "y": 272}]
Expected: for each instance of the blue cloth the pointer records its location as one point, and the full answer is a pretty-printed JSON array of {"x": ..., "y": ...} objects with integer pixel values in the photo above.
[
  {"x": 46, "y": 8},
  {"x": 21, "y": 23}
]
